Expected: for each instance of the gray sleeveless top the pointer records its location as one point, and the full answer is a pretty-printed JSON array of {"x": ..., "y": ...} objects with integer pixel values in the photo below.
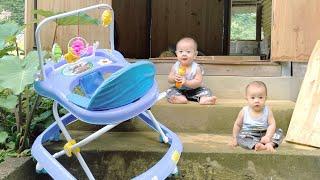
[
  {"x": 259, "y": 123},
  {"x": 189, "y": 75}
]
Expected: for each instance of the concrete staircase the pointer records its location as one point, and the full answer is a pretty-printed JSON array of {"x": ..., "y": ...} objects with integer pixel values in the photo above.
[
  {"x": 122, "y": 155},
  {"x": 205, "y": 131}
]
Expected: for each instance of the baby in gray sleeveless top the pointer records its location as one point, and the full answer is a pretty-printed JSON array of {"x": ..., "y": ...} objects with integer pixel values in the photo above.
[
  {"x": 186, "y": 75},
  {"x": 255, "y": 126}
]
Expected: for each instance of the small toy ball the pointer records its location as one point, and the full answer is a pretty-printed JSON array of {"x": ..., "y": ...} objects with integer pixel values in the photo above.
[
  {"x": 106, "y": 18},
  {"x": 78, "y": 46},
  {"x": 56, "y": 52}
]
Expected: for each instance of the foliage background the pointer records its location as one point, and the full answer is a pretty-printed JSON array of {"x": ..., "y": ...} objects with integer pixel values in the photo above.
[
  {"x": 16, "y": 7},
  {"x": 243, "y": 23}
]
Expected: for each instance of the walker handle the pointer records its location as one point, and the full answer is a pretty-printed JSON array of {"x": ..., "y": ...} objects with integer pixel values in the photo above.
[{"x": 58, "y": 16}]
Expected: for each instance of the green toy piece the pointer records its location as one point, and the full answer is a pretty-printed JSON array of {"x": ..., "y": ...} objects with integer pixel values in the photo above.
[{"x": 56, "y": 52}]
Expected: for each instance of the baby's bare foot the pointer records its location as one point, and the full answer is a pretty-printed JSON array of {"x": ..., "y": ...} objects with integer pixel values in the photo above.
[
  {"x": 259, "y": 147},
  {"x": 270, "y": 147},
  {"x": 178, "y": 100},
  {"x": 208, "y": 100}
]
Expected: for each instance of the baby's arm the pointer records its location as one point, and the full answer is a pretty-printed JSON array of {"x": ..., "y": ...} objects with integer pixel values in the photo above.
[
  {"x": 196, "y": 82},
  {"x": 271, "y": 129},
  {"x": 171, "y": 76},
  {"x": 236, "y": 128}
]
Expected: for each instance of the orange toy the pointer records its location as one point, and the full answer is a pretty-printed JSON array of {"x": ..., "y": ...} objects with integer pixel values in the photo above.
[{"x": 181, "y": 71}]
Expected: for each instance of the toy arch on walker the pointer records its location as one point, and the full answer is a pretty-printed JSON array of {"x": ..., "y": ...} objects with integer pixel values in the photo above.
[{"x": 129, "y": 92}]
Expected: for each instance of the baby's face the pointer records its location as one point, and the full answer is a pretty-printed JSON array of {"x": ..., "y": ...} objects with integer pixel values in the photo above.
[
  {"x": 256, "y": 97},
  {"x": 186, "y": 52}
]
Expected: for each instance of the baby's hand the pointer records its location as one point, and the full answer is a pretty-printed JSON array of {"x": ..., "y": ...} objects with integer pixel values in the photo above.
[
  {"x": 178, "y": 78},
  {"x": 233, "y": 142},
  {"x": 265, "y": 139}
]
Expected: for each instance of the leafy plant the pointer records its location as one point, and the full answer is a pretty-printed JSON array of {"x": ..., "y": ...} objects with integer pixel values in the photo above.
[
  {"x": 243, "y": 26},
  {"x": 8, "y": 38},
  {"x": 18, "y": 101},
  {"x": 16, "y": 8},
  {"x": 23, "y": 116}
]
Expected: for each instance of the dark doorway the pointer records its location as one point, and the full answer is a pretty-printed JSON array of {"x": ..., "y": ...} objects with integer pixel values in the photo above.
[{"x": 145, "y": 28}]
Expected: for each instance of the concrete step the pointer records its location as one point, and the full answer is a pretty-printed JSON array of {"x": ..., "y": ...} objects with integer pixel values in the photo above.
[
  {"x": 197, "y": 118},
  {"x": 233, "y": 87},
  {"x": 122, "y": 155},
  {"x": 224, "y": 66}
]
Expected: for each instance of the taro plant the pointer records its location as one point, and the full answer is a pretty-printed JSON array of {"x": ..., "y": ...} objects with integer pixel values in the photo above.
[
  {"x": 23, "y": 113},
  {"x": 18, "y": 101}
]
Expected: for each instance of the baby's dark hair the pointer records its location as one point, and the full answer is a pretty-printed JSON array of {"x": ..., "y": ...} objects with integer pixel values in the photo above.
[{"x": 257, "y": 83}]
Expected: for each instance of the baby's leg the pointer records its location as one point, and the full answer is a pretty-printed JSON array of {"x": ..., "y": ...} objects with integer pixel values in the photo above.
[
  {"x": 247, "y": 141},
  {"x": 207, "y": 100},
  {"x": 175, "y": 96},
  {"x": 204, "y": 96},
  {"x": 178, "y": 100}
]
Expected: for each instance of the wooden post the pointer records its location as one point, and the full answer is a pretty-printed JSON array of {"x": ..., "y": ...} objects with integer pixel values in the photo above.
[{"x": 29, "y": 31}]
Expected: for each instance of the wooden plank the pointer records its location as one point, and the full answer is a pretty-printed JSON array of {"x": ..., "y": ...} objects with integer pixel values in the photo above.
[
  {"x": 216, "y": 58},
  {"x": 64, "y": 33},
  {"x": 223, "y": 68},
  {"x": 29, "y": 31},
  {"x": 132, "y": 28},
  {"x": 304, "y": 127},
  {"x": 295, "y": 29},
  {"x": 201, "y": 19}
]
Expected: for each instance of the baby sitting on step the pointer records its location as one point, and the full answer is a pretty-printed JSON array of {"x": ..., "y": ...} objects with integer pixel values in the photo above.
[
  {"x": 255, "y": 126},
  {"x": 186, "y": 75}
]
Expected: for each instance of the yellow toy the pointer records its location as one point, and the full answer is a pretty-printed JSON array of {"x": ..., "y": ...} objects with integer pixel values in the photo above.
[
  {"x": 181, "y": 71},
  {"x": 106, "y": 18},
  {"x": 70, "y": 57}
]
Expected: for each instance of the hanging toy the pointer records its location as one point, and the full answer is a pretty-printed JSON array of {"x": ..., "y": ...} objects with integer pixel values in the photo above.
[
  {"x": 56, "y": 52},
  {"x": 106, "y": 18},
  {"x": 79, "y": 46},
  {"x": 70, "y": 57}
]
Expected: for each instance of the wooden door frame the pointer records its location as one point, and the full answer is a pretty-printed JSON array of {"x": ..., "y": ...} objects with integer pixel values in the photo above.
[{"x": 227, "y": 27}]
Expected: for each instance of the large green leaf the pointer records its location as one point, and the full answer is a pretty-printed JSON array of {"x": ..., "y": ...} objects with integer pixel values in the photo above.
[
  {"x": 9, "y": 102},
  {"x": 2, "y": 43},
  {"x": 80, "y": 19},
  {"x": 3, "y": 137},
  {"x": 8, "y": 31},
  {"x": 16, "y": 74},
  {"x": 43, "y": 13},
  {"x": 6, "y": 50}
]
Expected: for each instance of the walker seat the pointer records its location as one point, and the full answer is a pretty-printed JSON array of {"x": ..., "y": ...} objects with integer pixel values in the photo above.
[{"x": 121, "y": 88}]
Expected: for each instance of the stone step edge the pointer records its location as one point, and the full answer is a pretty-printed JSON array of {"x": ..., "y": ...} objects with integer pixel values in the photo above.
[{"x": 192, "y": 143}]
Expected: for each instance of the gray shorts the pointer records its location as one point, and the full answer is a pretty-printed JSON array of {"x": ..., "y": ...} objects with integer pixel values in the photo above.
[
  {"x": 191, "y": 95},
  {"x": 248, "y": 139}
]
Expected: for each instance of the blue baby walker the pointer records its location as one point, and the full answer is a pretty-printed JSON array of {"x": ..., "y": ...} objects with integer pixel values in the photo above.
[{"x": 128, "y": 92}]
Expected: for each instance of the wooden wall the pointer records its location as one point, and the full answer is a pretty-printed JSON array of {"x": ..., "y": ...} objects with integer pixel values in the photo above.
[
  {"x": 144, "y": 28},
  {"x": 295, "y": 29},
  {"x": 64, "y": 33},
  {"x": 201, "y": 19},
  {"x": 132, "y": 27}
]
